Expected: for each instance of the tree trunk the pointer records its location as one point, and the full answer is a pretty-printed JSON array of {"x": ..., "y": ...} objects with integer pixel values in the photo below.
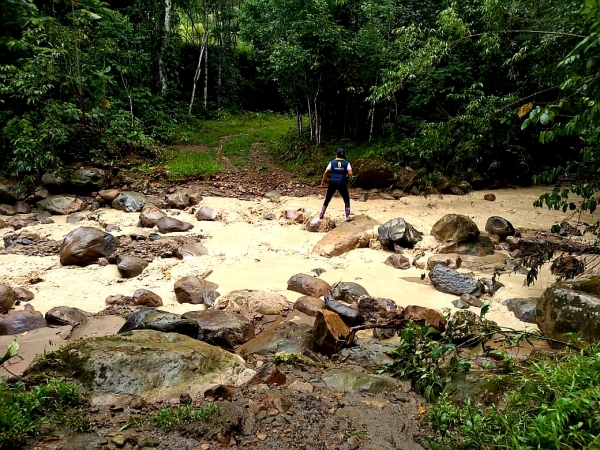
[
  {"x": 161, "y": 64},
  {"x": 310, "y": 120},
  {"x": 197, "y": 76},
  {"x": 205, "y": 76},
  {"x": 372, "y": 120}
]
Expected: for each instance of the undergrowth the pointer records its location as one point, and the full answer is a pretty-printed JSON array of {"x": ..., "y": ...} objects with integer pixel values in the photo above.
[
  {"x": 549, "y": 401},
  {"x": 29, "y": 412},
  {"x": 177, "y": 417}
]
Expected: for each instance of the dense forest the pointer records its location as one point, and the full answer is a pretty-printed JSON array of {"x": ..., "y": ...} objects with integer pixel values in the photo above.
[{"x": 503, "y": 88}]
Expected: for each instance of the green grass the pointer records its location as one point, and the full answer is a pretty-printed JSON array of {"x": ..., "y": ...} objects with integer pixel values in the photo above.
[
  {"x": 186, "y": 164},
  {"x": 29, "y": 412},
  {"x": 177, "y": 417}
]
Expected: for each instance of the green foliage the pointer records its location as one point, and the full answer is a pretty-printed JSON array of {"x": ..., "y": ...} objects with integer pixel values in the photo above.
[
  {"x": 550, "y": 402},
  {"x": 11, "y": 351},
  {"x": 178, "y": 417},
  {"x": 32, "y": 411},
  {"x": 187, "y": 164}
]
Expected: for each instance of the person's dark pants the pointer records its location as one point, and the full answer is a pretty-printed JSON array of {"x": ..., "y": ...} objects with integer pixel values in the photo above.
[{"x": 342, "y": 188}]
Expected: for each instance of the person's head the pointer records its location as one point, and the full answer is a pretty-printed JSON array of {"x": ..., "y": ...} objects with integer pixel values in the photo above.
[{"x": 340, "y": 153}]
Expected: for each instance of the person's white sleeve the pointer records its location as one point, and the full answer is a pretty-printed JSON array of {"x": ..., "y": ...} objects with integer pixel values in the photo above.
[
  {"x": 349, "y": 166},
  {"x": 328, "y": 168}
]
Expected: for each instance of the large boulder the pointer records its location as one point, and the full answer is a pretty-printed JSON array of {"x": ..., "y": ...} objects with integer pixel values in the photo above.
[
  {"x": 150, "y": 215},
  {"x": 7, "y": 298},
  {"x": 172, "y": 225},
  {"x": 251, "y": 302},
  {"x": 61, "y": 205},
  {"x": 432, "y": 317},
  {"x": 206, "y": 213},
  {"x": 89, "y": 179},
  {"x": 330, "y": 332},
  {"x": 524, "y": 309},
  {"x": 16, "y": 322},
  {"x": 144, "y": 297},
  {"x": 347, "y": 236},
  {"x": 500, "y": 227},
  {"x": 398, "y": 262},
  {"x": 372, "y": 173},
  {"x": 570, "y": 308},
  {"x": 196, "y": 291},
  {"x": 405, "y": 178},
  {"x": 83, "y": 246},
  {"x": 165, "y": 322},
  {"x": 455, "y": 228},
  {"x": 65, "y": 315},
  {"x": 450, "y": 281},
  {"x": 398, "y": 232},
  {"x": 152, "y": 365},
  {"x": 239, "y": 329},
  {"x": 308, "y": 285},
  {"x": 179, "y": 200},
  {"x": 129, "y": 202},
  {"x": 9, "y": 193}
]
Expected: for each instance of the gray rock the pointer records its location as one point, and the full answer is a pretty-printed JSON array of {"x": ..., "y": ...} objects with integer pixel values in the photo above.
[
  {"x": 253, "y": 302},
  {"x": 178, "y": 200},
  {"x": 472, "y": 300},
  {"x": 150, "y": 215},
  {"x": 572, "y": 307},
  {"x": 61, "y": 205},
  {"x": 16, "y": 322},
  {"x": 283, "y": 336},
  {"x": 53, "y": 180},
  {"x": 316, "y": 225},
  {"x": 74, "y": 219},
  {"x": 112, "y": 228},
  {"x": 144, "y": 297},
  {"x": 7, "y": 210},
  {"x": 490, "y": 197},
  {"x": 165, "y": 322},
  {"x": 191, "y": 251},
  {"x": 347, "y": 291},
  {"x": 500, "y": 227},
  {"x": 449, "y": 260},
  {"x": 206, "y": 213},
  {"x": 369, "y": 353},
  {"x": 374, "y": 309},
  {"x": 83, "y": 246},
  {"x": 196, "y": 291},
  {"x": 22, "y": 208},
  {"x": 398, "y": 262},
  {"x": 309, "y": 305},
  {"x": 65, "y": 315},
  {"x": 7, "y": 298},
  {"x": 373, "y": 173},
  {"x": 108, "y": 195},
  {"x": 346, "y": 380},
  {"x": 490, "y": 286},
  {"x": 460, "y": 188},
  {"x": 239, "y": 329},
  {"x": 274, "y": 196},
  {"x": 127, "y": 365},
  {"x": 458, "y": 303},
  {"x": 450, "y": 281},
  {"x": 398, "y": 232},
  {"x": 308, "y": 285},
  {"x": 480, "y": 246},
  {"x": 89, "y": 179},
  {"x": 129, "y": 202},
  {"x": 172, "y": 225},
  {"x": 455, "y": 228},
  {"x": 9, "y": 193},
  {"x": 524, "y": 309},
  {"x": 131, "y": 266},
  {"x": 21, "y": 295}
]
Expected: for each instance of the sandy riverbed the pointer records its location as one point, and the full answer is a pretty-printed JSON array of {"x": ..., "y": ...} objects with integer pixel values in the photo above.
[{"x": 248, "y": 252}]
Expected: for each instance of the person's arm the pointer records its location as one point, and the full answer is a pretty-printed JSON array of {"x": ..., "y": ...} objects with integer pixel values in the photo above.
[
  {"x": 350, "y": 170},
  {"x": 327, "y": 170}
]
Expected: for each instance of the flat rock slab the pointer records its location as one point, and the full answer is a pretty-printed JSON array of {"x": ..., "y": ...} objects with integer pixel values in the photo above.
[
  {"x": 345, "y": 380},
  {"x": 347, "y": 236},
  {"x": 152, "y": 365}
]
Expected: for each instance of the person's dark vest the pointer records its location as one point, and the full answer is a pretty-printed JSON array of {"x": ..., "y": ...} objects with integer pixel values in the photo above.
[{"x": 339, "y": 171}]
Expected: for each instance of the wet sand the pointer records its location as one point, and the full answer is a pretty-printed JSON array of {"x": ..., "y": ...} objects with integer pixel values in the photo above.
[{"x": 247, "y": 251}]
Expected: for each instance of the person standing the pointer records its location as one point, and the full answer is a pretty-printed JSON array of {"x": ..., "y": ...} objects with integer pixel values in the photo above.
[{"x": 339, "y": 170}]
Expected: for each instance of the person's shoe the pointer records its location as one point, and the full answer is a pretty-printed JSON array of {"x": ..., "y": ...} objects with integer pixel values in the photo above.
[
  {"x": 323, "y": 209},
  {"x": 349, "y": 217}
]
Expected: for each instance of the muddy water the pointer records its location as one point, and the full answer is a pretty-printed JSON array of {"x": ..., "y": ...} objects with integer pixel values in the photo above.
[{"x": 248, "y": 252}]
